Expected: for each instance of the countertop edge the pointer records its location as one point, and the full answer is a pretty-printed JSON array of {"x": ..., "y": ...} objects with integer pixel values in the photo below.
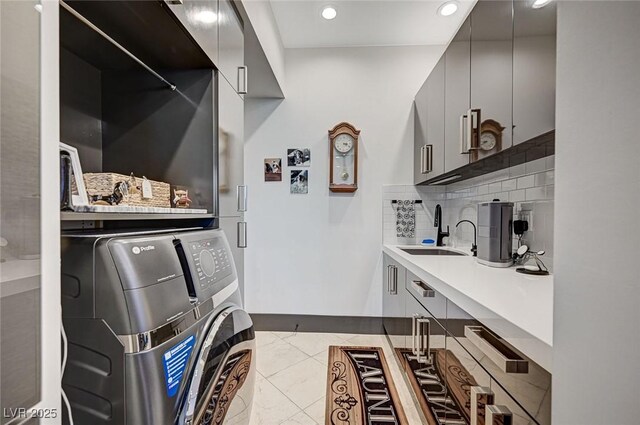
[{"x": 537, "y": 347}]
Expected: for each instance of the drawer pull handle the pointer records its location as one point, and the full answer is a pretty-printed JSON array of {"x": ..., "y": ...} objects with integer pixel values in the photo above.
[
  {"x": 392, "y": 280},
  {"x": 480, "y": 397},
  {"x": 496, "y": 349},
  {"x": 498, "y": 415},
  {"x": 421, "y": 338},
  {"x": 422, "y": 289}
]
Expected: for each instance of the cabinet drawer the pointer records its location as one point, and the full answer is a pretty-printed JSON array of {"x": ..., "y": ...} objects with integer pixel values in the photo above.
[
  {"x": 517, "y": 376},
  {"x": 431, "y": 299}
]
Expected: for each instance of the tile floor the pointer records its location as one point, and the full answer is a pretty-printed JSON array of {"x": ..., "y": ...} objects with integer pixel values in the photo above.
[{"x": 292, "y": 374}]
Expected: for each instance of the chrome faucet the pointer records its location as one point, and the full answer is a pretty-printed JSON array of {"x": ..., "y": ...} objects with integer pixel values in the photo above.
[
  {"x": 438, "y": 223},
  {"x": 474, "y": 247}
]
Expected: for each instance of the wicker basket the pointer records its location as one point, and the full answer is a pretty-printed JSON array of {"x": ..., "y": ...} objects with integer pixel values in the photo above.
[{"x": 103, "y": 184}]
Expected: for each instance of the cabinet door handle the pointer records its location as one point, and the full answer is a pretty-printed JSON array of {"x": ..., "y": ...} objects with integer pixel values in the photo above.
[
  {"x": 392, "y": 279},
  {"x": 424, "y": 339},
  {"x": 473, "y": 129},
  {"x": 242, "y": 234},
  {"x": 241, "y": 193},
  {"x": 414, "y": 336},
  {"x": 427, "y": 160},
  {"x": 480, "y": 397},
  {"x": 498, "y": 351},
  {"x": 497, "y": 415},
  {"x": 422, "y": 160},
  {"x": 242, "y": 79},
  {"x": 422, "y": 289},
  {"x": 463, "y": 139}
]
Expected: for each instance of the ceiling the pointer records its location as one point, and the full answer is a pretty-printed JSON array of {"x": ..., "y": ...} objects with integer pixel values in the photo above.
[{"x": 366, "y": 22}]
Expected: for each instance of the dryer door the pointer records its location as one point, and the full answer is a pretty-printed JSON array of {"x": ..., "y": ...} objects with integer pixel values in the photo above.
[{"x": 223, "y": 377}]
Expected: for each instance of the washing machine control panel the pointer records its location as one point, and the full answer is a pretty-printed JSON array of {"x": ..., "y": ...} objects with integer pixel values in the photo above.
[{"x": 211, "y": 260}]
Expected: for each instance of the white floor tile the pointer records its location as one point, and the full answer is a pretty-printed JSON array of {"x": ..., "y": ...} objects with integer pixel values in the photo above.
[
  {"x": 367, "y": 340},
  {"x": 299, "y": 418},
  {"x": 316, "y": 410},
  {"x": 265, "y": 338},
  {"x": 277, "y": 356},
  {"x": 304, "y": 383},
  {"x": 270, "y": 406},
  {"x": 323, "y": 358},
  {"x": 313, "y": 343}
]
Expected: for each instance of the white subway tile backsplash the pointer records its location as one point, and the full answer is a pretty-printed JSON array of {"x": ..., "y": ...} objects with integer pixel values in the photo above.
[
  {"x": 508, "y": 185},
  {"x": 529, "y": 186},
  {"x": 536, "y": 166},
  {"x": 535, "y": 193},
  {"x": 495, "y": 187},
  {"x": 525, "y": 182},
  {"x": 517, "y": 195}
]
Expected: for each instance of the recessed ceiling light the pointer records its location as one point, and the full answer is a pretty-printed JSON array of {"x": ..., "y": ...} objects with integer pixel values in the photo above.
[
  {"x": 206, "y": 16},
  {"x": 448, "y": 8},
  {"x": 329, "y": 13},
  {"x": 537, "y": 4}
]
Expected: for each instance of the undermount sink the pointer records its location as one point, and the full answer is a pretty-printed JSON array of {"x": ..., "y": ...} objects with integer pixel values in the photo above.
[{"x": 430, "y": 251}]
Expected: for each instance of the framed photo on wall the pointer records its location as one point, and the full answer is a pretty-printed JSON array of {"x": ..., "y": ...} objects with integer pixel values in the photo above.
[{"x": 273, "y": 169}]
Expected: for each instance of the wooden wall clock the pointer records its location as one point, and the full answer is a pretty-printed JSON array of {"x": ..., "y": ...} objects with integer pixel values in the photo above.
[
  {"x": 490, "y": 140},
  {"x": 343, "y": 151}
]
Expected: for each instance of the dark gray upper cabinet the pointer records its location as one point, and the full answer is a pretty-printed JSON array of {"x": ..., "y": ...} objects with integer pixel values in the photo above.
[
  {"x": 200, "y": 18},
  {"x": 231, "y": 46},
  {"x": 534, "y": 70},
  {"x": 491, "y": 77},
  {"x": 428, "y": 147},
  {"x": 457, "y": 96}
]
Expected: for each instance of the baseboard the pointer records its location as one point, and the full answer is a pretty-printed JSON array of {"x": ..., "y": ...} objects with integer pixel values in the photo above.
[{"x": 309, "y": 323}]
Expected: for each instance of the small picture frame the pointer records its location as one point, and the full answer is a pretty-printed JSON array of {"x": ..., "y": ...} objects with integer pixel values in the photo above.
[
  {"x": 81, "y": 198},
  {"x": 273, "y": 169},
  {"x": 299, "y": 157},
  {"x": 299, "y": 182}
]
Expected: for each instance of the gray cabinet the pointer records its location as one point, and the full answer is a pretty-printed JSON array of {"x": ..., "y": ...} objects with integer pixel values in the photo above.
[
  {"x": 429, "y": 103},
  {"x": 20, "y": 144},
  {"x": 441, "y": 341},
  {"x": 457, "y": 97},
  {"x": 200, "y": 18},
  {"x": 491, "y": 76},
  {"x": 393, "y": 302},
  {"x": 516, "y": 381},
  {"x": 231, "y": 46},
  {"x": 232, "y": 192},
  {"x": 534, "y": 70}
]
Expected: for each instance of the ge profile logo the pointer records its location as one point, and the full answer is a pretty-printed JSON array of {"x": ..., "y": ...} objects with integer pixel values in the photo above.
[{"x": 139, "y": 249}]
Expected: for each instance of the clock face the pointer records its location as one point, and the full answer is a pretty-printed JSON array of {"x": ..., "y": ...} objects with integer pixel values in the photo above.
[
  {"x": 487, "y": 141},
  {"x": 343, "y": 143}
]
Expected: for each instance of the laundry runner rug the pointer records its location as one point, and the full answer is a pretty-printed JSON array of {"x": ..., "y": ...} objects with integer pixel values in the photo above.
[
  {"x": 360, "y": 390},
  {"x": 443, "y": 387}
]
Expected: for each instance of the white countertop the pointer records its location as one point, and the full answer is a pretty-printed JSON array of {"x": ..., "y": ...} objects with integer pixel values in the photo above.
[{"x": 516, "y": 306}]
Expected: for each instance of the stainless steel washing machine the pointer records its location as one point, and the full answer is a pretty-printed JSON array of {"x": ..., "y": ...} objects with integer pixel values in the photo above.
[{"x": 156, "y": 330}]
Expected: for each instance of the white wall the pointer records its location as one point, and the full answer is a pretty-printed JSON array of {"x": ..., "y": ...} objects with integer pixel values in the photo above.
[
  {"x": 321, "y": 253},
  {"x": 596, "y": 377}
]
